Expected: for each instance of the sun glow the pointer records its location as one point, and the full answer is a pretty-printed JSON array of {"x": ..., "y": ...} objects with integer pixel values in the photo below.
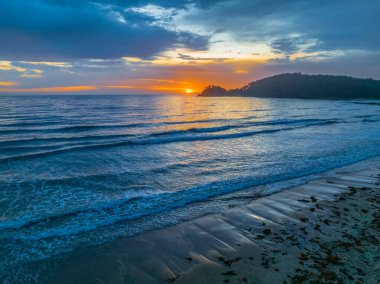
[{"x": 188, "y": 91}]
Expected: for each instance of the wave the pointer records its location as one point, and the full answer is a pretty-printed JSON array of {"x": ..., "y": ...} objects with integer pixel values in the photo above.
[
  {"x": 27, "y": 148},
  {"x": 90, "y": 127},
  {"x": 94, "y": 127},
  {"x": 71, "y": 128},
  {"x": 81, "y": 220},
  {"x": 374, "y": 103},
  {"x": 6, "y": 143},
  {"x": 370, "y": 120},
  {"x": 29, "y": 123},
  {"x": 97, "y": 216},
  {"x": 168, "y": 137},
  {"x": 25, "y": 222},
  {"x": 13, "y": 142},
  {"x": 242, "y": 125}
]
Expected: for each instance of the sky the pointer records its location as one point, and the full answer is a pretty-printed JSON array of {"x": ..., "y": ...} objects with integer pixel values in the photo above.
[{"x": 180, "y": 47}]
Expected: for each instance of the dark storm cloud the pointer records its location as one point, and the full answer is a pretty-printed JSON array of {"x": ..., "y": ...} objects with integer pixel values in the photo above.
[{"x": 51, "y": 30}]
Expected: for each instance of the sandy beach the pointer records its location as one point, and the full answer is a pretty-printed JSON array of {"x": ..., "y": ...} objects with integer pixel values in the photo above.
[{"x": 325, "y": 231}]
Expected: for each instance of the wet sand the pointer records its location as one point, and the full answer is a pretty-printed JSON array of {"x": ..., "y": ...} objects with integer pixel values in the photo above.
[{"x": 325, "y": 231}]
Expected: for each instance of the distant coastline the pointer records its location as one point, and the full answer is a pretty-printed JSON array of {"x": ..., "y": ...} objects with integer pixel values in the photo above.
[{"x": 302, "y": 86}]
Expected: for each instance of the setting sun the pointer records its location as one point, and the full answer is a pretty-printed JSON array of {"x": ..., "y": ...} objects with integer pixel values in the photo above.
[{"x": 188, "y": 91}]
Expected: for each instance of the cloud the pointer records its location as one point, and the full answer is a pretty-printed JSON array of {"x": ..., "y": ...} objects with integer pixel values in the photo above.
[
  {"x": 285, "y": 25},
  {"x": 60, "y": 89},
  {"x": 108, "y": 29},
  {"x": 287, "y": 45},
  {"x": 7, "y": 84},
  {"x": 53, "y": 31},
  {"x": 48, "y": 63},
  {"x": 33, "y": 73},
  {"x": 119, "y": 43},
  {"x": 187, "y": 57},
  {"x": 7, "y": 65},
  {"x": 341, "y": 24}
]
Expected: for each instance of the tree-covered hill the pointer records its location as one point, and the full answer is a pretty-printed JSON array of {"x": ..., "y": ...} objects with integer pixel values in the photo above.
[{"x": 297, "y": 85}]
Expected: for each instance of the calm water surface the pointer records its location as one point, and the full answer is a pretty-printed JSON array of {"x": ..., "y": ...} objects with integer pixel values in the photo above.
[{"x": 82, "y": 170}]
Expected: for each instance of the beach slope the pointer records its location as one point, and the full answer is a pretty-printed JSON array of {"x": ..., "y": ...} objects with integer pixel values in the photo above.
[{"x": 325, "y": 231}]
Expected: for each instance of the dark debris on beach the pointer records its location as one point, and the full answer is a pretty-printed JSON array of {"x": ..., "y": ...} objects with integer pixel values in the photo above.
[{"x": 343, "y": 253}]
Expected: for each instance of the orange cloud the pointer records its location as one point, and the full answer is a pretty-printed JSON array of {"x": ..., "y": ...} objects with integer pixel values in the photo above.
[
  {"x": 178, "y": 89},
  {"x": 190, "y": 76},
  {"x": 119, "y": 87},
  {"x": 181, "y": 76},
  {"x": 63, "y": 89},
  {"x": 49, "y": 63},
  {"x": 7, "y": 65},
  {"x": 31, "y": 75},
  {"x": 152, "y": 85},
  {"x": 7, "y": 84}
]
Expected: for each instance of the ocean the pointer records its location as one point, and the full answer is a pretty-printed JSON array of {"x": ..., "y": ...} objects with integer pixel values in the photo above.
[{"x": 80, "y": 171}]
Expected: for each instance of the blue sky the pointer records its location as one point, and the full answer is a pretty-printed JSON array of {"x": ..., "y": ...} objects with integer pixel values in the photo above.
[{"x": 121, "y": 46}]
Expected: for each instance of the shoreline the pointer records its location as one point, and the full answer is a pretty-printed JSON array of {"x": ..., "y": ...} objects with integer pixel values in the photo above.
[{"x": 325, "y": 230}]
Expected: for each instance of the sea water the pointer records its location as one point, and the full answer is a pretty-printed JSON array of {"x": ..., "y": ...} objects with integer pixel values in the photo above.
[{"x": 79, "y": 171}]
